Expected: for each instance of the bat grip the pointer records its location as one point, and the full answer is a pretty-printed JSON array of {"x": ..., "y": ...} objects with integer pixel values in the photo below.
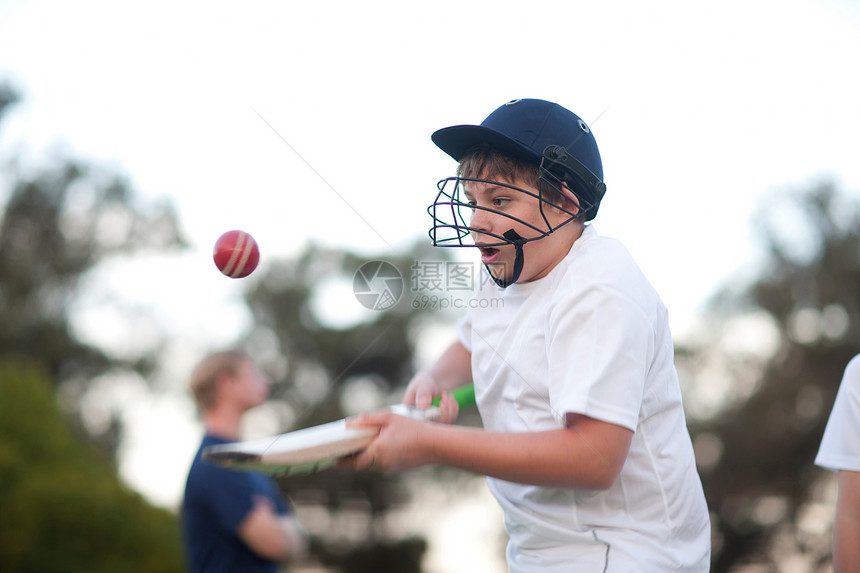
[{"x": 465, "y": 396}]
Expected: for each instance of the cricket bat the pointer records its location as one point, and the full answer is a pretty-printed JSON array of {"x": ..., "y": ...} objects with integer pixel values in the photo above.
[{"x": 315, "y": 448}]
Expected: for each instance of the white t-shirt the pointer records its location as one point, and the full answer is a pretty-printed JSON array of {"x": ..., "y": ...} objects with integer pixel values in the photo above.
[
  {"x": 591, "y": 337},
  {"x": 840, "y": 445}
]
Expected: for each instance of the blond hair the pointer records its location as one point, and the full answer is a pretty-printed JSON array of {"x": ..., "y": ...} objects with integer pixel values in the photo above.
[{"x": 206, "y": 374}]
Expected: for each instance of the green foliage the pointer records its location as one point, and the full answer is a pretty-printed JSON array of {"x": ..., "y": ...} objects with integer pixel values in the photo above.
[{"x": 63, "y": 508}]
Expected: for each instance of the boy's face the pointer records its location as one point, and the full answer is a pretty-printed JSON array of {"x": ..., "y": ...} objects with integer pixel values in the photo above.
[{"x": 518, "y": 211}]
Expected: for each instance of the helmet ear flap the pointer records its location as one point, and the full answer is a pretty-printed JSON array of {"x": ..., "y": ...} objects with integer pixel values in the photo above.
[{"x": 571, "y": 173}]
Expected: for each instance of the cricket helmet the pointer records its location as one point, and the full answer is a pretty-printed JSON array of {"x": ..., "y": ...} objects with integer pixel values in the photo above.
[{"x": 534, "y": 131}]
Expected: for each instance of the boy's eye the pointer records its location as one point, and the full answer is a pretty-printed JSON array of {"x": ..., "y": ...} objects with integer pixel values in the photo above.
[{"x": 500, "y": 202}]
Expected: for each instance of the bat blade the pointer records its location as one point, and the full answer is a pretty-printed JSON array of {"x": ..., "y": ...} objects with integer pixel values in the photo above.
[
  {"x": 310, "y": 449},
  {"x": 286, "y": 453}
]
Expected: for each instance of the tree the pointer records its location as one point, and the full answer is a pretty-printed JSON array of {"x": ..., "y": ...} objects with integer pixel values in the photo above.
[
  {"x": 57, "y": 224},
  {"x": 778, "y": 345},
  {"x": 63, "y": 507}
]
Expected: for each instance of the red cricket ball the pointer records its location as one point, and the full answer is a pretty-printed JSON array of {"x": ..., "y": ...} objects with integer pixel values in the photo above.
[{"x": 236, "y": 254}]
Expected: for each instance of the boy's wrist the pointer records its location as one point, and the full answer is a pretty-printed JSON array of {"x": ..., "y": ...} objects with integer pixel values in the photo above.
[{"x": 428, "y": 444}]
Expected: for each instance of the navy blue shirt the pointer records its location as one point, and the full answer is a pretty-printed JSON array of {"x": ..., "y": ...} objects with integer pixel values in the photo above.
[{"x": 216, "y": 501}]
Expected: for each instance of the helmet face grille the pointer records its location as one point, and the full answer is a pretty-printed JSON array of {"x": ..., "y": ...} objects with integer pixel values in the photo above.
[{"x": 452, "y": 213}]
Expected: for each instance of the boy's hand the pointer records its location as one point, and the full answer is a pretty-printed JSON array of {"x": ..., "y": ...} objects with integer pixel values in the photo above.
[
  {"x": 399, "y": 445},
  {"x": 421, "y": 391}
]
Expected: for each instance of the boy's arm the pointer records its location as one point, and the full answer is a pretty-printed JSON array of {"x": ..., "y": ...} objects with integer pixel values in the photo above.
[
  {"x": 587, "y": 454},
  {"x": 846, "y": 530},
  {"x": 451, "y": 370}
]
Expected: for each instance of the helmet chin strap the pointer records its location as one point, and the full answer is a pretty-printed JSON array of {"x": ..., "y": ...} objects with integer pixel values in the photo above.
[{"x": 517, "y": 241}]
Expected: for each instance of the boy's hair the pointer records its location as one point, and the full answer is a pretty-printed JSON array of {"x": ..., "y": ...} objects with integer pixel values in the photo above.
[
  {"x": 206, "y": 374},
  {"x": 484, "y": 162}
]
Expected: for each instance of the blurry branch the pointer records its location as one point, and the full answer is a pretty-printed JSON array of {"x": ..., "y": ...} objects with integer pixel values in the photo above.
[
  {"x": 8, "y": 97},
  {"x": 56, "y": 227},
  {"x": 769, "y": 367},
  {"x": 58, "y": 224}
]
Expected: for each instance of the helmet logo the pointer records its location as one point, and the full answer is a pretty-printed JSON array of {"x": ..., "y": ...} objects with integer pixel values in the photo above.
[
  {"x": 514, "y": 102},
  {"x": 583, "y": 127}
]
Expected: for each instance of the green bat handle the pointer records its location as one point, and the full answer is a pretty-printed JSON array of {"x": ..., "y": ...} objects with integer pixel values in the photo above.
[{"x": 465, "y": 396}]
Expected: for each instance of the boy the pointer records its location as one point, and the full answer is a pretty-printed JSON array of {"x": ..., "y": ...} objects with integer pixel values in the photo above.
[
  {"x": 840, "y": 452},
  {"x": 584, "y": 443},
  {"x": 233, "y": 521}
]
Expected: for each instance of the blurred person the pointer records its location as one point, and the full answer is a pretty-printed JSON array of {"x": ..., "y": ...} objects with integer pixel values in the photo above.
[
  {"x": 840, "y": 452},
  {"x": 233, "y": 520}
]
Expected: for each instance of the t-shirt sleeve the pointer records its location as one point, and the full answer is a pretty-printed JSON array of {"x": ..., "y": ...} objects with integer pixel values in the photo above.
[
  {"x": 840, "y": 445},
  {"x": 229, "y": 495},
  {"x": 599, "y": 347},
  {"x": 463, "y": 330}
]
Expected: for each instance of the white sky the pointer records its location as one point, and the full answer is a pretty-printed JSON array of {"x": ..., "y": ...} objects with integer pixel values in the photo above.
[{"x": 698, "y": 109}]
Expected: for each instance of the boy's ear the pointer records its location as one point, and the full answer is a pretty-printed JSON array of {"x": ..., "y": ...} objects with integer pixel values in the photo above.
[{"x": 570, "y": 197}]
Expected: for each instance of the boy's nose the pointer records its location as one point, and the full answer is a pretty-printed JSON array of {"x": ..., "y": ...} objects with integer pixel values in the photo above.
[{"x": 481, "y": 220}]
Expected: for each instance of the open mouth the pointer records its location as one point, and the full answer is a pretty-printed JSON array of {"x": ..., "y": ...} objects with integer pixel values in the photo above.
[{"x": 489, "y": 255}]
